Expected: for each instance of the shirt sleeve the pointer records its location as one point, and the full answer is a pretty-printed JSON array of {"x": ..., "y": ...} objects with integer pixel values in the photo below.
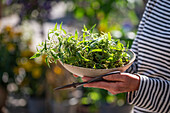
[{"x": 153, "y": 94}]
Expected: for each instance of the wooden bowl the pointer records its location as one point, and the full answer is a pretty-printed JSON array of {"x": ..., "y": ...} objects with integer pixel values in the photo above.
[{"x": 81, "y": 71}]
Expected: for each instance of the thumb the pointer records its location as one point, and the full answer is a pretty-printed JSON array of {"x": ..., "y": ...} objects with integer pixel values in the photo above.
[
  {"x": 114, "y": 77},
  {"x": 75, "y": 75}
]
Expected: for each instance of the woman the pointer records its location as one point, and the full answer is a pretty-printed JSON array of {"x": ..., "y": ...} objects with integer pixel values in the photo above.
[{"x": 147, "y": 80}]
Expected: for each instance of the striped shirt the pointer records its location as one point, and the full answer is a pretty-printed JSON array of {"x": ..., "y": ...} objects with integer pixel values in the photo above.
[{"x": 152, "y": 64}]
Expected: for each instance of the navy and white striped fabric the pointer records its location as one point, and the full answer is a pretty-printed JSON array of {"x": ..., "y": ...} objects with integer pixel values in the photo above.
[{"x": 152, "y": 47}]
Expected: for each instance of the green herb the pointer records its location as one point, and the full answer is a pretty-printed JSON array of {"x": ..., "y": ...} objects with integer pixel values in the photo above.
[{"x": 90, "y": 50}]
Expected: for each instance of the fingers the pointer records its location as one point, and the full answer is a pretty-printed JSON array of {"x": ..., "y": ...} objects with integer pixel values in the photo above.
[
  {"x": 124, "y": 82},
  {"x": 86, "y": 78},
  {"x": 102, "y": 85},
  {"x": 114, "y": 77}
]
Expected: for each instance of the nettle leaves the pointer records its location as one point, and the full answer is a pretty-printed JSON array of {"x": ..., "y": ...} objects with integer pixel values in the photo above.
[{"x": 89, "y": 50}]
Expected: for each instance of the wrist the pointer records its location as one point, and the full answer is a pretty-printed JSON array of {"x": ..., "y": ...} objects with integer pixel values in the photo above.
[{"x": 137, "y": 81}]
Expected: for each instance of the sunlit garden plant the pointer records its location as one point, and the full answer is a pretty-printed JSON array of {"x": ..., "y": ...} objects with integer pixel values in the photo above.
[{"x": 89, "y": 50}]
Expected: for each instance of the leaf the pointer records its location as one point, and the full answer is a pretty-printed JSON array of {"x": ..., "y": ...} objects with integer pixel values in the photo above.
[
  {"x": 127, "y": 46},
  {"x": 70, "y": 38},
  {"x": 72, "y": 59},
  {"x": 45, "y": 45},
  {"x": 54, "y": 55},
  {"x": 85, "y": 29},
  {"x": 76, "y": 35},
  {"x": 61, "y": 25},
  {"x": 56, "y": 34},
  {"x": 48, "y": 36},
  {"x": 55, "y": 28},
  {"x": 46, "y": 60},
  {"x": 81, "y": 42},
  {"x": 68, "y": 50},
  {"x": 84, "y": 36},
  {"x": 91, "y": 30},
  {"x": 35, "y": 55},
  {"x": 81, "y": 57},
  {"x": 109, "y": 36},
  {"x": 97, "y": 50},
  {"x": 94, "y": 66},
  {"x": 64, "y": 31}
]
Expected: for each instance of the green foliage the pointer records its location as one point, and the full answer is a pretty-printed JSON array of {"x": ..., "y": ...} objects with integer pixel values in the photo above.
[
  {"x": 90, "y": 50},
  {"x": 106, "y": 14}
]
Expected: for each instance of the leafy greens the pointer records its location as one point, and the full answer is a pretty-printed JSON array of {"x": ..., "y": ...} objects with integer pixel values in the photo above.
[{"x": 90, "y": 50}]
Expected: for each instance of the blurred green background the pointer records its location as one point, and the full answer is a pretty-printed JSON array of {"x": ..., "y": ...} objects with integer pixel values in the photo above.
[{"x": 26, "y": 86}]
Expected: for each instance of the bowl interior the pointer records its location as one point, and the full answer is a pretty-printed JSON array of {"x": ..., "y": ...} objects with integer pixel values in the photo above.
[{"x": 81, "y": 71}]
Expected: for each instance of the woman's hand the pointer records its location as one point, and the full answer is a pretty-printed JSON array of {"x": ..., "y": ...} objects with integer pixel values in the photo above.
[{"x": 123, "y": 82}]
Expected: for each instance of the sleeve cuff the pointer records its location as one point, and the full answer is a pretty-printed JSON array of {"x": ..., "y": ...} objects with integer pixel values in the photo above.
[{"x": 134, "y": 97}]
